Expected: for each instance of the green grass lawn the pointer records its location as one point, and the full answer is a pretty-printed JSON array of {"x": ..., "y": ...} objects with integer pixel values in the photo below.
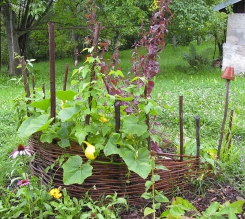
[{"x": 203, "y": 93}]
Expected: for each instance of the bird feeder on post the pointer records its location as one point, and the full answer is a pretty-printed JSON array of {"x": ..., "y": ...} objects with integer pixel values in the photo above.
[{"x": 228, "y": 74}]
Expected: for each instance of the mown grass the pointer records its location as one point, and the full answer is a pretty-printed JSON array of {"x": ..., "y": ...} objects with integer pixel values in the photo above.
[{"x": 203, "y": 93}]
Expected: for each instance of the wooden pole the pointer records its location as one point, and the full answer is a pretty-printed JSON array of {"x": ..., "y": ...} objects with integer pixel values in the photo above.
[
  {"x": 181, "y": 127},
  {"x": 224, "y": 118},
  {"x": 24, "y": 74},
  {"x": 228, "y": 137},
  {"x": 65, "y": 78},
  {"x": 0, "y": 41},
  {"x": 52, "y": 70},
  {"x": 117, "y": 116},
  {"x": 44, "y": 92},
  {"x": 197, "y": 118}
]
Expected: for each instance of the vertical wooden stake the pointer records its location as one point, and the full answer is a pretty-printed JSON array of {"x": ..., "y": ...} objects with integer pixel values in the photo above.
[
  {"x": 228, "y": 137},
  {"x": 24, "y": 74},
  {"x": 44, "y": 92},
  {"x": 197, "y": 118},
  {"x": 181, "y": 127},
  {"x": 224, "y": 118},
  {"x": 65, "y": 78},
  {"x": 117, "y": 116},
  {"x": 52, "y": 70}
]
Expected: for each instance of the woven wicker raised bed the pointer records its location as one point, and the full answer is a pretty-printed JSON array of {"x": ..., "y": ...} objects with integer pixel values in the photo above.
[{"x": 108, "y": 178}]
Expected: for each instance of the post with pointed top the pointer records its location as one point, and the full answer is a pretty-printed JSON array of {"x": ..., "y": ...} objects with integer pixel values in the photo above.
[
  {"x": 52, "y": 69},
  {"x": 228, "y": 74}
]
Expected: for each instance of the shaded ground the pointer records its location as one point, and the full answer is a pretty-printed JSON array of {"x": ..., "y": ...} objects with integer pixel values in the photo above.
[{"x": 216, "y": 192}]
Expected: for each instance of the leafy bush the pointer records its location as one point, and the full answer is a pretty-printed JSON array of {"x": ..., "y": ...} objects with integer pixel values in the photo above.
[{"x": 197, "y": 60}]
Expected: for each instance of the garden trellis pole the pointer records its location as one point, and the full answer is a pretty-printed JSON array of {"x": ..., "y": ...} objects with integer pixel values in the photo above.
[
  {"x": 181, "y": 127},
  {"x": 228, "y": 137},
  {"x": 52, "y": 70},
  {"x": 66, "y": 76},
  {"x": 228, "y": 74},
  {"x": 197, "y": 118}
]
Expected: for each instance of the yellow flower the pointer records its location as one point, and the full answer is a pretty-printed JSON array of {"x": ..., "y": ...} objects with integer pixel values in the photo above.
[
  {"x": 62, "y": 104},
  {"x": 55, "y": 193},
  {"x": 89, "y": 151},
  {"x": 103, "y": 119},
  {"x": 213, "y": 154}
]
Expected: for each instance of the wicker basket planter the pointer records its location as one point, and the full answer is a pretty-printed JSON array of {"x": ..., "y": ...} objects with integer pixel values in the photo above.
[{"x": 108, "y": 178}]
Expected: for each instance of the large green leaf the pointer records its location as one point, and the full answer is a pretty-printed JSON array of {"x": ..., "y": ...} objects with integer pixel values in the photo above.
[
  {"x": 41, "y": 104},
  {"x": 68, "y": 113},
  {"x": 111, "y": 146},
  {"x": 75, "y": 171},
  {"x": 66, "y": 95},
  {"x": 131, "y": 125},
  {"x": 34, "y": 124},
  {"x": 80, "y": 133},
  {"x": 138, "y": 161}
]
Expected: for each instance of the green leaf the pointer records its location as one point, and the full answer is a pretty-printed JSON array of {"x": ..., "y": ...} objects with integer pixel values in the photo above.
[
  {"x": 148, "y": 184},
  {"x": 23, "y": 126},
  {"x": 34, "y": 124},
  {"x": 146, "y": 195},
  {"x": 177, "y": 211},
  {"x": 80, "y": 133},
  {"x": 131, "y": 125},
  {"x": 75, "y": 171},
  {"x": 66, "y": 95},
  {"x": 155, "y": 178},
  {"x": 68, "y": 113},
  {"x": 165, "y": 214},
  {"x": 212, "y": 209},
  {"x": 41, "y": 104},
  {"x": 231, "y": 214},
  {"x": 138, "y": 161},
  {"x": 64, "y": 143},
  {"x": 48, "y": 136},
  {"x": 237, "y": 206},
  {"x": 38, "y": 124},
  {"x": 148, "y": 211},
  {"x": 111, "y": 146},
  {"x": 124, "y": 98},
  {"x": 185, "y": 204},
  {"x": 161, "y": 198},
  {"x": 117, "y": 73},
  {"x": 148, "y": 107},
  {"x": 161, "y": 167}
]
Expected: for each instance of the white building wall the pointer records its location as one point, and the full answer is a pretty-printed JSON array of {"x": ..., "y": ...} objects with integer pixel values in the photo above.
[{"x": 234, "y": 48}]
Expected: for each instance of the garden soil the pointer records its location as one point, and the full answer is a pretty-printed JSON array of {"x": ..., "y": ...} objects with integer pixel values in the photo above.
[{"x": 215, "y": 192}]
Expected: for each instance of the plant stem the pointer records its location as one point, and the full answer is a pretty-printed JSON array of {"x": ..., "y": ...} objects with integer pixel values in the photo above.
[
  {"x": 24, "y": 166},
  {"x": 105, "y": 162},
  {"x": 153, "y": 188}
]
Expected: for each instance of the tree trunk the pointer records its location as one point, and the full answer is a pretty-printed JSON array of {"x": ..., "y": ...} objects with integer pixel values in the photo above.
[
  {"x": 0, "y": 41},
  {"x": 220, "y": 46},
  {"x": 12, "y": 40}
]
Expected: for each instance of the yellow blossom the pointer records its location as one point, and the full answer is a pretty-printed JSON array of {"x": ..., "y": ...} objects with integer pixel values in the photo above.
[
  {"x": 103, "y": 119},
  {"x": 55, "y": 193}
]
